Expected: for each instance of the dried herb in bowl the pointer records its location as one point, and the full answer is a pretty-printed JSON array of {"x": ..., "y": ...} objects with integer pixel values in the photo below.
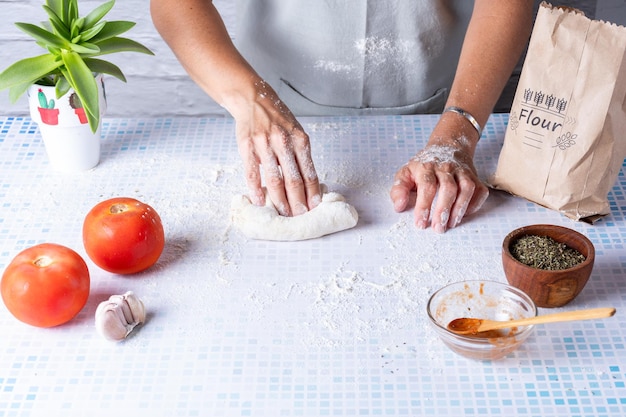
[{"x": 543, "y": 252}]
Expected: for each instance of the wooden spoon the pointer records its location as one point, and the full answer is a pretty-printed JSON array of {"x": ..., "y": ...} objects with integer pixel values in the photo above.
[{"x": 474, "y": 326}]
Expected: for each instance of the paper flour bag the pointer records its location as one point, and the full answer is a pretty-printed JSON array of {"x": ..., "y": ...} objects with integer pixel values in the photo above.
[{"x": 566, "y": 138}]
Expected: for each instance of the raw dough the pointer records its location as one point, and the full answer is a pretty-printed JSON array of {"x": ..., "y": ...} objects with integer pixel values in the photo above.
[{"x": 332, "y": 215}]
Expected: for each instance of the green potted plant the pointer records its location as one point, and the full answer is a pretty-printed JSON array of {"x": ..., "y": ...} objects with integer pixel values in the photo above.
[{"x": 70, "y": 64}]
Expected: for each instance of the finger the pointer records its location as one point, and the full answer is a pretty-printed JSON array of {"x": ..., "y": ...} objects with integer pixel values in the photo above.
[
  {"x": 466, "y": 188},
  {"x": 276, "y": 189},
  {"x": 252, "y": 171},
  {"x": 478, "y": 199},
  {"x": 311, "y": 180},
  {"x": 446, "y": 196},
  {"x": 302, "y": 151},
  {"x": 275, "y": 184},
  {"x": 313, "y": 192},
  {"x": 401, "y": 189},
  {"x": 472, "y": 195},
  {"x": 293, "y": 184},
  {"x": 426, "y": 183}
]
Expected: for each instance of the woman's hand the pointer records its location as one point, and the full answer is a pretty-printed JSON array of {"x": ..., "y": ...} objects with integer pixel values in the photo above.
[
  {"x": 268, "y": 135},
  {"x": 495, "y": 38},
  {"x": 271, "y": 139},
  {"x": 444, "y": 177}
]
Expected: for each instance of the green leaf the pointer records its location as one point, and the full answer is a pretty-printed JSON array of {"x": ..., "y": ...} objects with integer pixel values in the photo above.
[
  {"x": 93, "y": 121},
  {"x": 92, "y": 31},
  {"x": 56, "y": 23},
  {"x": 85, "y": 48},
  {"x": 57, "y": 8},
  {"x": 98, "y": 13},
  {"x": 105, "y": 67},
  {"x": 112, "y": 29},
  {"x": 46, "y": 25},
  {"x": 117, "y": 44},
  {"x": 17, "y": 91},
  {"x": 72, "y": 10},
  {"x": 62, "y": 86},
  {"x": 28, "y": 70},
  {"x": 54, "y": 51},
  {"x": 42, "y": 35},
  {"x": 77, "y": 26},
  {"x": 83, "y": 82},
  {"x": 60, "y": 30}
]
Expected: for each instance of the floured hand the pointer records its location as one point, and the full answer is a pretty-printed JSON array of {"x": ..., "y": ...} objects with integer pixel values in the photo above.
[{"x": 443, "y": 176}]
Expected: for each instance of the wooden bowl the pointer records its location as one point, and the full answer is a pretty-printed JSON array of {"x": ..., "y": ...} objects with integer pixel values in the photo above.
[{"x": 549, "y": 288}]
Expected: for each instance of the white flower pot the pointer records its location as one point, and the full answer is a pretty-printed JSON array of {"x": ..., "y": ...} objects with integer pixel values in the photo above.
[{"x": 70, "y": 144}]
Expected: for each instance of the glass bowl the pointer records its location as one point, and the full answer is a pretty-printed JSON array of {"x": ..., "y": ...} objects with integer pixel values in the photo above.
[{"x": 481, "y": 299}]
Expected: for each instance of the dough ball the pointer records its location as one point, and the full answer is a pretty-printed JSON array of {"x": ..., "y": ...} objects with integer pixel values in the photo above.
[{"x": 332, "y": 215}]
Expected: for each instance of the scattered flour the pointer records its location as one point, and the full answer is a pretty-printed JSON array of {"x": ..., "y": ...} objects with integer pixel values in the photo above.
[
  {"x": 439, "y": 155},
  {"x": 380, "y": 50},
  {"x": 350, "y": 299},
  {"x": 333, "y": 66}
]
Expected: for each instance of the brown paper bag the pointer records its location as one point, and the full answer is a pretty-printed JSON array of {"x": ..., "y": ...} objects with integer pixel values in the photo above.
[{"x": 566, "y": 138}]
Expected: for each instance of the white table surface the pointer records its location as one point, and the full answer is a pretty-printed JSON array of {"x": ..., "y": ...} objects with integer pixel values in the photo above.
[{"x": 334, "y": 326}]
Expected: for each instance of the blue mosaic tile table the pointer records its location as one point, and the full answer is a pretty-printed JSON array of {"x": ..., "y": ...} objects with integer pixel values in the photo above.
[{"x": 334, "y": 326}]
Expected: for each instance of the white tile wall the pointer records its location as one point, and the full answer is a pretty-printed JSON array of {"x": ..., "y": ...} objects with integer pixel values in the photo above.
[{"x": 157, "y": 86}]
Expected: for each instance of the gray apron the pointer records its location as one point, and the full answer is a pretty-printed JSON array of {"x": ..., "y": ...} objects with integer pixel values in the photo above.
[{"x": 355, "y": 57}]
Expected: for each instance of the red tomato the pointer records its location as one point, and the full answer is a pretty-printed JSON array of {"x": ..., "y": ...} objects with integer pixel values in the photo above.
[
  {"x": 45, "y": 285},
  {"x": 123, "y": 235}
]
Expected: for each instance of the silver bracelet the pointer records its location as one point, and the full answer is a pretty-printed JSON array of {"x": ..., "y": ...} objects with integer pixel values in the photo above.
[{"x": 467, "y": 116}]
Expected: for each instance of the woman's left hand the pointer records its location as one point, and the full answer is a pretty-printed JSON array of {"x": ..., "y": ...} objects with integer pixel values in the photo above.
[{"x": 443, "y": 169}]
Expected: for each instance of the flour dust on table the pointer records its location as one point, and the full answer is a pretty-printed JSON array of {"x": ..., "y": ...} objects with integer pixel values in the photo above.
[{"x": 332, "y": 215}]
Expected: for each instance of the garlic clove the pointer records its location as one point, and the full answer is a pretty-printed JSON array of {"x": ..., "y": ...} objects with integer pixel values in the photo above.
[{"x": 118, "y": 316}]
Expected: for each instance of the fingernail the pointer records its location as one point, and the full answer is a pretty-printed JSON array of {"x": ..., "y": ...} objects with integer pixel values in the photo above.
[
  {"x": 316, "y": 200},
  {"x": 422, "y": 221},
  {"x": 282, "y": 210},
  {"x": 457, "y": 220},
  {"x": 258, "y": 199},
  {"x": 443, "y": 222},
  {"x": 399, "y": 204},
  {"x": 461, "y": 214},
  {"x": 439, "y": 228},
  {"x": 445, "y": 216},
  {"x": 299, "y": 209}
]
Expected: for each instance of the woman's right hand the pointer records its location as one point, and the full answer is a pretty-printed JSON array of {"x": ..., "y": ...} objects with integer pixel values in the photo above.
[
  {"x": 275, "y": 148},
  {"x": 272, "y": 143}
]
